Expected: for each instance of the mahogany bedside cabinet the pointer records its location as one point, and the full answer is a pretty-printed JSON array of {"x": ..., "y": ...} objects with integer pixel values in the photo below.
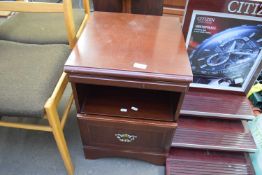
[{"x": 129, "y": 75}]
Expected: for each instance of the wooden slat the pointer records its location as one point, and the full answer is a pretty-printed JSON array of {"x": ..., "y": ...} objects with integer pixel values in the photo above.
[
  {"x": 174, "y": 3},
  {"x": 26, "y": 126},
  {"x": 216, "y": 104},
  {"x": 69, "y": 21},
  {"x": 213, "y": 134},
  {"x": 176, "y": 16},
  {"x": 211, "y": 140},
  {"x": 5, "y": 13},
  {"x": 86, "y": 5},
  {"x": 82, "y": 26},
  {"x": 20, "y": 6},
  {"x": 59, "y": 89},
  {"x": 173, "y": 11},
  {"x": 201, "y": 162}
]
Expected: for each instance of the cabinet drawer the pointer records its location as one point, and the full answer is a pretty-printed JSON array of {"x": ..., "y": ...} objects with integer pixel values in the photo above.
[
  {"x": 130, "y": 102},
  {"x": 126, "y": 134}
]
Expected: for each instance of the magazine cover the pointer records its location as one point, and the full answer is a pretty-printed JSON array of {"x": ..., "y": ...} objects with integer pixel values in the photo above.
[{"x": 224, "y": 49}]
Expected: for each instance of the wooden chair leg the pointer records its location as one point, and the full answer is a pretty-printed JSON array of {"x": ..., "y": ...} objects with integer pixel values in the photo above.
[{"x": 54, "y": 122}]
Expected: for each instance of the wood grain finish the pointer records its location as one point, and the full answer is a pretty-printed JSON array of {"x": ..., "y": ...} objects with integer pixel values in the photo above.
[
  {"x": 128, "y": 80},
  {"x": 129, "y": 74},
  {"x": 202, "y": 162},
  {"x": 147, "y": 7},
  {"x": 213, "y": 134},
  {"x": 216, "y": 104},
  {"x": 136, "y": 103},
  {"x": 108, "y": 5},
  {"x": 175, "y": 3},
  {"x": 145, "y": 137},
  {"x": 174, "y": 11},
  {"x": 92, "y": 152},
  {"x": 211, "y": 124},
  {"x": 126, "y": 4},
  {"x": 5, "y": 13},
  {"x": 175, "y": 7},
  {"x": 112, "y": 43},
  {"x": 21, "y": 6}
]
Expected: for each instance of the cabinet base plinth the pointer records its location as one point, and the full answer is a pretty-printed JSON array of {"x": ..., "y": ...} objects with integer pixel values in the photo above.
[{"x": 98, "y": 152}]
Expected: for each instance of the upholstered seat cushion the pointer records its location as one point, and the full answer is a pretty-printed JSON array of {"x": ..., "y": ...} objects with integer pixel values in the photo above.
[
  {"x": 28, "y": 76},
  {"x": 38, "y": 28}
]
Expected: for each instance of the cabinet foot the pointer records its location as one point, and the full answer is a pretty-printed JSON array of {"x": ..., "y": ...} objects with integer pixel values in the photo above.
[{"x": 98, "y": 152}]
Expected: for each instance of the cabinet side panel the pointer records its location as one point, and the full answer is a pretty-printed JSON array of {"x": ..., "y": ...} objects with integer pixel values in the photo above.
[
  {"x": 108, "y": 5},
  {"x": 148, "y": 7}
]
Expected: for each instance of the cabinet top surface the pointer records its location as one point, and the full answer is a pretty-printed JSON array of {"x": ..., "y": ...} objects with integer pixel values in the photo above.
[{"x": 131, "y": 44}]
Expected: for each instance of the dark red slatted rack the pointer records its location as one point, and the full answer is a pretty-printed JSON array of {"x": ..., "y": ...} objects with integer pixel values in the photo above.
[
  {"x": 217, "y": 105},
  {"x": 203, "y": 162},
  {"x": 214, "y": 134}
]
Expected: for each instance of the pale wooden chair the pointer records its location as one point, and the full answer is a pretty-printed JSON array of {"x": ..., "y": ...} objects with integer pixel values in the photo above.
[
  {"x": 29, "y": 80},
  {"x": 47, "y": 26}
]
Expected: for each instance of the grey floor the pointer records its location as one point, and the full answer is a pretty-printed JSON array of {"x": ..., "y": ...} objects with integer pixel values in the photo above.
[{"x": 26, "y": 152}]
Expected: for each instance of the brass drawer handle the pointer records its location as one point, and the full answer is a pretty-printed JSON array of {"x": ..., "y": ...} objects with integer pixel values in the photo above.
[{"x": 126, "y": 138}]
